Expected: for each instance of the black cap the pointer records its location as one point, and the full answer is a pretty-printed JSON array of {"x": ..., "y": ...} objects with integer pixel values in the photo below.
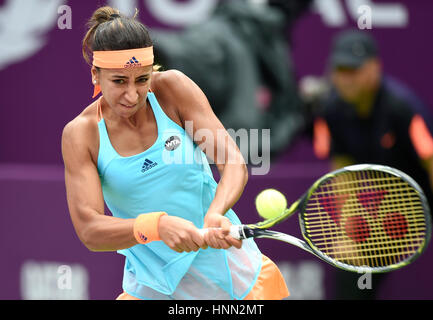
[{"x": 352, "y": 48}]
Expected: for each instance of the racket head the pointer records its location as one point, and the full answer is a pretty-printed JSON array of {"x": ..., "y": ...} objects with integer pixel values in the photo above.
[{"x": 368, "y": 217}]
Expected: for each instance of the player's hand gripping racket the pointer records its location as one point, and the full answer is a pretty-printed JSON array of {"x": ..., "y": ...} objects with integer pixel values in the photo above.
[{"x": 366, "y": 218}]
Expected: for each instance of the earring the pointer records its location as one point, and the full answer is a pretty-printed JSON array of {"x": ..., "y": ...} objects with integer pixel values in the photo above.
[{"x": 94, "y": 81}]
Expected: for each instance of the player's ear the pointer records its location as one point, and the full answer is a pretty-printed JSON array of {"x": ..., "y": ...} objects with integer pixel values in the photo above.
[{"x": 95, "y": 74}]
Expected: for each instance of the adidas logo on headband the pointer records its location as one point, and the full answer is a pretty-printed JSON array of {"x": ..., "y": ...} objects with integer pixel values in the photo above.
[{"x": 133, "y": 62}]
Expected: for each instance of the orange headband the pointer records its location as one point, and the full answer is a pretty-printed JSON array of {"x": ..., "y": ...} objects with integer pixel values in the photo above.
[{"x": 119, "y": 59}]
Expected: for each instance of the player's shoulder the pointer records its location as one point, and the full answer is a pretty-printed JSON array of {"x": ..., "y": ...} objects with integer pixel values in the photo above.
[
  {"x": 172, "y": 80},
  {"x": 168, "y": 75},
  {"x": 83, "y": 126},
  {"x": 175, "y": 92}
]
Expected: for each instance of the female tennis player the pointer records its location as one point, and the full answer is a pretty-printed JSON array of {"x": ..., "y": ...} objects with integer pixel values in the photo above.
[{"x": 130, "y": 148}]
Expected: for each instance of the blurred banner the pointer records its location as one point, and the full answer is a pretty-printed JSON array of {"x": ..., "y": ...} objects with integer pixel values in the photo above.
[{"x": 247, "y": 56}]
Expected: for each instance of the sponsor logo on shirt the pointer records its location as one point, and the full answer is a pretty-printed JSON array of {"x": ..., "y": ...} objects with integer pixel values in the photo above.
[
  {"x": 172, "y": 143},
  {"x": 147, "y": 165}
]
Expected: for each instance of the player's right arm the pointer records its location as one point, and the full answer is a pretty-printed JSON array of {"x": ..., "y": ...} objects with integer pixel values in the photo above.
[{"x": 97, "y": 231}]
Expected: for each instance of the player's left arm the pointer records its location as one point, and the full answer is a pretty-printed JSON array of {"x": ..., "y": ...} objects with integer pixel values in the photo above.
[{"x": 209, "y": 134}]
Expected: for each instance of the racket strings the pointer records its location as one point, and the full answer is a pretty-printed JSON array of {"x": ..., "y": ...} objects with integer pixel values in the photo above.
[{"x": 366, "y": 218}]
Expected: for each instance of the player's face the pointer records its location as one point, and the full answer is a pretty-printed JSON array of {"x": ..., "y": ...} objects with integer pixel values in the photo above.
[
  {"x": 125, "y": 90},
  {"x": 353, "y": 83}
]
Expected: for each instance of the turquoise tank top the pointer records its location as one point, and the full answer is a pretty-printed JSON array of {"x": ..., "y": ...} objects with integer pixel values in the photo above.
[{"x": 174, "y": 176}]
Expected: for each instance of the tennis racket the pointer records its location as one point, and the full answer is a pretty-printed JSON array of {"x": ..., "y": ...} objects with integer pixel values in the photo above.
[{"x": 361, "y": 218}]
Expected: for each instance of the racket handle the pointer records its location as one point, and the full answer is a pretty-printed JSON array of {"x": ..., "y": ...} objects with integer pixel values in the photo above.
[{"x": 236, "y": 231}]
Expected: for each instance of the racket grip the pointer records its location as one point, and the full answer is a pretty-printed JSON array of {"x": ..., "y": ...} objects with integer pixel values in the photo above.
[{"x": 236, "y": 231}]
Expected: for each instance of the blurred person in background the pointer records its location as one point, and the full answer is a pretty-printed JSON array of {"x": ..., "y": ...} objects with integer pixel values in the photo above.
[{"x": 369, "y": 117}]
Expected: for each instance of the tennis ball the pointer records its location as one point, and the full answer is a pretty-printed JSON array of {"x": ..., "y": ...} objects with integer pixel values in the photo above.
[{"x": 270, "y": 203}]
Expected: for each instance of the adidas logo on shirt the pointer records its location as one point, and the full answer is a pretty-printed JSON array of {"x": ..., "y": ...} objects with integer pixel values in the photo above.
[
  {"x": 133, "y": 62},
  {"x": 147, "y": 165}
]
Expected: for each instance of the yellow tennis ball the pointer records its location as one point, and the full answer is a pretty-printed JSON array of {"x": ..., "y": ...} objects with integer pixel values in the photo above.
[{"x": 270, "y": 203}]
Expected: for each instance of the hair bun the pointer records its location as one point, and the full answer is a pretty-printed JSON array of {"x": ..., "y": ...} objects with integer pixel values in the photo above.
[
  {"x": 107, "y": 33},
  {"x": 114, "y": 16},
  {"x": 103, "y": 14}
]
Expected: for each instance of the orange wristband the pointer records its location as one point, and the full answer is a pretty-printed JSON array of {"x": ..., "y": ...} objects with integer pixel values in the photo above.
[{"x": 146, "y": 227}]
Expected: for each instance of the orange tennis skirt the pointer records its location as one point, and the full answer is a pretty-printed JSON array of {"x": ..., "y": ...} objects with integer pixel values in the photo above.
[{"x": 270, "y": 284}]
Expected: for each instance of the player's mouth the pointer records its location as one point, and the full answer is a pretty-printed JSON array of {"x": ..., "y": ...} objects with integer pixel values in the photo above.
[{"x": 128, "y": 105}]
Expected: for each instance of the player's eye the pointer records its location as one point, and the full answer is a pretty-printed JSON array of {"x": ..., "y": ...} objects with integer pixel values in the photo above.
[{"x": 119, "y": 81}]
